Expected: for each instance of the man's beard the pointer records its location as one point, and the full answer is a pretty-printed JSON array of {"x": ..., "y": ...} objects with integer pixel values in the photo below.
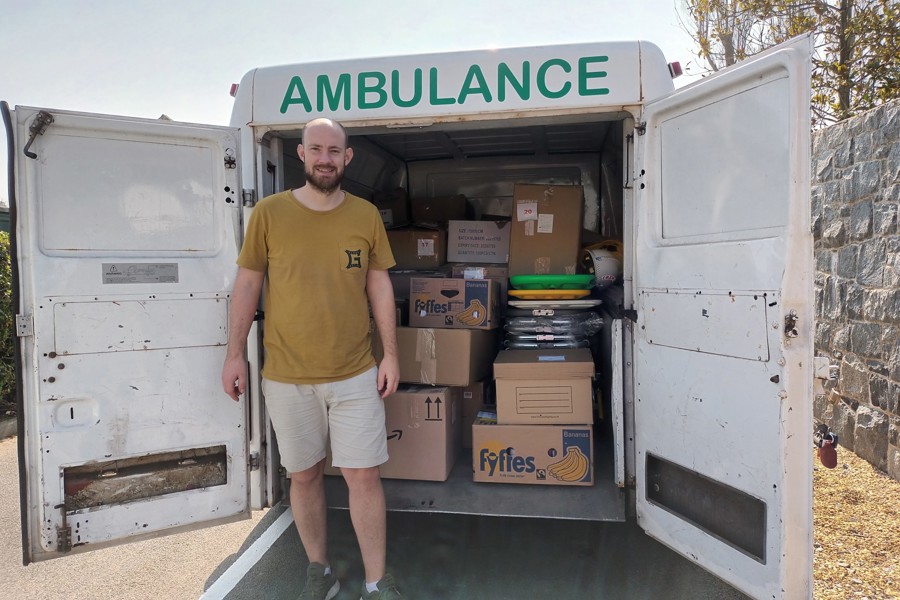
[{"x": 325, "y": 184}]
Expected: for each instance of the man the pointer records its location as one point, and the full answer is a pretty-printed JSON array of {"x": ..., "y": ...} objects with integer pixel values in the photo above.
[{"x": 324, "y": 252}]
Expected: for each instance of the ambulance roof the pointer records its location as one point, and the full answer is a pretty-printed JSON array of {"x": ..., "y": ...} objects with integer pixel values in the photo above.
[{"x": 453, "y": 85}]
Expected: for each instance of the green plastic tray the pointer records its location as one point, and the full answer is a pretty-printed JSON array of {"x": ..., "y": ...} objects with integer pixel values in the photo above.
[{"x": 552, "y": 282}]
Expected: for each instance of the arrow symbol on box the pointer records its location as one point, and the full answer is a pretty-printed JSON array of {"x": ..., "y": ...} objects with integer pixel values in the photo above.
[{"x": 437, "y": 406}]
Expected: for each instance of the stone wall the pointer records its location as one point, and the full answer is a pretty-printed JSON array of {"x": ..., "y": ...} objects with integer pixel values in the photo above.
[{"x": 855, "y": 198}]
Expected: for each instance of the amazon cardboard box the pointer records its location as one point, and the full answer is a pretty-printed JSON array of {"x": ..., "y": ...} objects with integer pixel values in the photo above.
[
  {"x": 442, "y": 356},
  {"x": 546, "y": 229},
  {"x": 478, "y": 241},
  {"x": 424, "y": 433},
  {"x": 416, "y": 248},
  {"x": 533, "y": 454},
  {"x": 463, "y": 303},
  {"x": 544, "y": 386}
]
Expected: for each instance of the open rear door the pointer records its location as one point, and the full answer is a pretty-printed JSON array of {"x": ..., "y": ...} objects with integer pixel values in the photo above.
[
  {"x": 127, "y": 236},
  {"x": 723, "y": 344}
]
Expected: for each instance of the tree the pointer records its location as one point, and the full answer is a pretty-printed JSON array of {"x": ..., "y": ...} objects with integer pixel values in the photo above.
[{"x": 856, "y": 65}]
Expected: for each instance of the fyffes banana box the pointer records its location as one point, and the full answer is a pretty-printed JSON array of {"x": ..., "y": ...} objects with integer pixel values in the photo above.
[
  {"x": 533, "y": 454},
  {"x": 453, "y": 303}
]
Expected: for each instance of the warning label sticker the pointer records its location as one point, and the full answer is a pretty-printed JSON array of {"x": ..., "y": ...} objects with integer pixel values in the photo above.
[{"x": 140, "y": 273}]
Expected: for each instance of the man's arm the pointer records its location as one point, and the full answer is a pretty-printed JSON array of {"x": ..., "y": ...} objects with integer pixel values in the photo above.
[
  {"x": 381, "y": 296},
  {"x": 244, "y": 300}
]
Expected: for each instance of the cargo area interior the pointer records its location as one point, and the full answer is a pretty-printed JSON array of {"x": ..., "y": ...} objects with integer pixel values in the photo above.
[{"x": 484, "y": 160}]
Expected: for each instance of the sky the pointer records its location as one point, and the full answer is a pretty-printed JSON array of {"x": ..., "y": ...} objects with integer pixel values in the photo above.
[{"x": 144, "y": 58}]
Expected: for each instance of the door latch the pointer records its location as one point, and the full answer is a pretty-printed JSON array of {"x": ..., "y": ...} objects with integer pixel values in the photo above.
[
  {"x": 826, "y": 442},
  {"x": 37, "y": 127},
  {"x": 790, "y": 324}
]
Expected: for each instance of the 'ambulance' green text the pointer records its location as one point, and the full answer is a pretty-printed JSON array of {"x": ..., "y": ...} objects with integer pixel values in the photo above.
[{"x": 375, "y": 89}]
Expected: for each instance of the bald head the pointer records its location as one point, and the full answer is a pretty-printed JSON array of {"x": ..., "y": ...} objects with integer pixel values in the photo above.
[{"x": 324, "y": 123}]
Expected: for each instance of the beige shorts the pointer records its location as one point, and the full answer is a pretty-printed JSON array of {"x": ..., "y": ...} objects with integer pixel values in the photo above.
[{"x": 351, "y": 410}]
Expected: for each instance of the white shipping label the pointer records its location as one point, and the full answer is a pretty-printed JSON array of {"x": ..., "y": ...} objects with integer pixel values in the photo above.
[
  {"x": 529, "y": 228},
  {"x": 545, "y": 223},
  {"x": 527, "y": 211},
  {"x": 425, "y": 248}
]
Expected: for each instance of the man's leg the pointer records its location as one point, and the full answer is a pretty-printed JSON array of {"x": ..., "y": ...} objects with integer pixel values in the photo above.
[
  {"x": 309, "y": 508},
  {"x": 367, "y": 512}
]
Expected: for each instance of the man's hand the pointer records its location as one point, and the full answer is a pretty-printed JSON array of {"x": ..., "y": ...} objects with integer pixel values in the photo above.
[
  {"x": 244, "y": 300},
  {"x": 388, "y": 376},
  {"x": 234, "y": 376}
]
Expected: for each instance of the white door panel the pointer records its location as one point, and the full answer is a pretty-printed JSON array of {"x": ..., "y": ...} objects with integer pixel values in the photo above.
[
  {"x": 723, "y": 394},
  {"x": 127, "y": 237}
]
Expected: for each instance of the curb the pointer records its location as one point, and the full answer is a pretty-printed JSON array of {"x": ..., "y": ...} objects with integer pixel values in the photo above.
[{"x": 8, "y": 427}]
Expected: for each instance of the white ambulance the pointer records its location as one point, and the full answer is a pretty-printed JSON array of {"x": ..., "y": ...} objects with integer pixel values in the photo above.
[{"x": 127, "y": 231}]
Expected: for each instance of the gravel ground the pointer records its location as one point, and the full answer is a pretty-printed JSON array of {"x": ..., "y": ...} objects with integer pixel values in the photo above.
[
  {"x": 857, "y": 537},
  {"x": 857, "y": 531},
  {"x": 174, "y": 567}
]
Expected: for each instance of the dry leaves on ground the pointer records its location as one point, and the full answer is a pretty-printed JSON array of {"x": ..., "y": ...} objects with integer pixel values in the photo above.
[{"x": 857, "y": 531}]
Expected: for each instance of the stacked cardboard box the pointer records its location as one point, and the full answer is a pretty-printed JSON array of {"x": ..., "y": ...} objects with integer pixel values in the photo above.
[
  {"x": 456, "y": 303},
  {"x": 546, "y": 229},
  {"x": 455, "y": 357},
  {"x": 544, "y": 431},
  {"x": 424, "y": 433}
]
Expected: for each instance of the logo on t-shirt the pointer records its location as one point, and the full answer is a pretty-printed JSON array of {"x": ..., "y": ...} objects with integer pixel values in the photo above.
[{"x": 354, "y": 259}]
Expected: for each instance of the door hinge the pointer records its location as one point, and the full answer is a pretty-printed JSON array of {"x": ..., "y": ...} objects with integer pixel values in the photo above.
[
  {"x": 63, "y": 531},
  {"x": 63, "y": 538},
  {"x": 641, "y": 128},
  {"x": 24, "y": 326},
  {"x": 254, "y": 461},
  {"x": 631, "y": 315},
  {"x": 249, "y": 197}
]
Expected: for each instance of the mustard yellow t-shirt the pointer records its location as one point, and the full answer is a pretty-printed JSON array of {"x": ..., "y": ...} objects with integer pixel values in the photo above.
[{"x": 316, "y": 327}]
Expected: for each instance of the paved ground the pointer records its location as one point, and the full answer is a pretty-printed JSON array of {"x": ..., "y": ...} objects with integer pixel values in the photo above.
[
  {"x": 174, "y": 567},
  {"x": 435, "y": 556}
]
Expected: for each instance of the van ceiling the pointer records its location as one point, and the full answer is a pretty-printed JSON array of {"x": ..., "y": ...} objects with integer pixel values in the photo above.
[{"x": 536, "y": 140}]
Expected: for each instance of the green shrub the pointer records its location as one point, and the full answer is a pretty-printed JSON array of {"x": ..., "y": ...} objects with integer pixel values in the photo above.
[{"x": 7, "y": 331}]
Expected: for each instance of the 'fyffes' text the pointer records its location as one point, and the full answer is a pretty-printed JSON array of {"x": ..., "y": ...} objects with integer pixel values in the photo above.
[
  {"x": 553, "y": 78},
  {"x": 504, "y": 462}
]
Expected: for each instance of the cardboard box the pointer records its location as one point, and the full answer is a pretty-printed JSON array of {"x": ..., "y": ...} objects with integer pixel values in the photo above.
[
  {"x": 463, "y": 303},
  {"x": 546, "y": 229},
  {"x": 424, "y": 433},
  {"x": 393, "y": 208},
  {"x": 416, "y": 248},
  {"x": 439, "y": 210},
  {"x": 472, "y": 399},
  {"x": 478, "y": 241},
  {"x": 533, "y": 454},
  {"x": 544, "y": 386},
  {"x": 499, "y": 273},
  {"x": 442, "y": 356},
  {"x": 400, "y": 279}
]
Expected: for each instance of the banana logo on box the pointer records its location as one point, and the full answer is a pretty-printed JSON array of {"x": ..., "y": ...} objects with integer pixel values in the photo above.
[
  {"x": 474, "y": 315},
  {"x": 573, "y": 467}
]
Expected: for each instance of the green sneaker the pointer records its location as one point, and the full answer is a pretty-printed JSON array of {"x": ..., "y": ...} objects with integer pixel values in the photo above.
[
  {"x": 319, "y": 586},
  {"x": 387, "y": 590}
]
